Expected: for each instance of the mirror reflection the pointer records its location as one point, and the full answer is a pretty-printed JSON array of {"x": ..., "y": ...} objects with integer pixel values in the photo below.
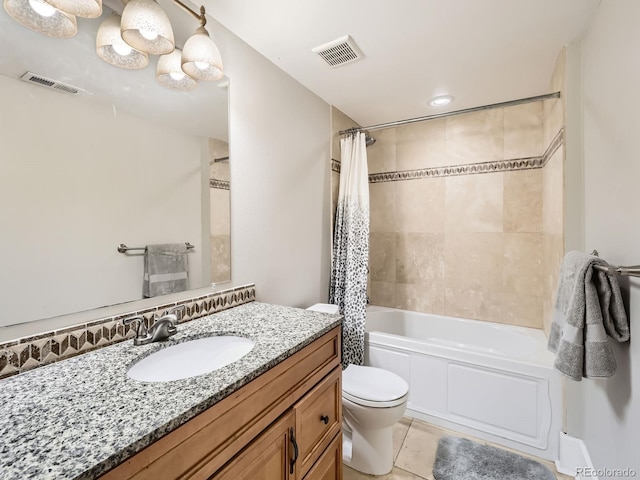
[
  {"x": 219, "y": 185},
  {"x": 123, "y": 160}
]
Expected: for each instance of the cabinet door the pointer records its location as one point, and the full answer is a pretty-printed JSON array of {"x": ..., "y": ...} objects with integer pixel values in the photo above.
[
  {"x": 318, "y": 420},
  {"x": 267, "y": 458},
  {"x": 329, "y": 465}
]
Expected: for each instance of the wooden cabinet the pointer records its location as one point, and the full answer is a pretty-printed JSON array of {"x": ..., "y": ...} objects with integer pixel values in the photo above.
[
  {"x": 329, "y": 465},
  {"x": 254, "y": 432},
  {"x": 267, "y": 458},
  {"x": 304, "y": 437},
  {"x": 318, "y": 418}
]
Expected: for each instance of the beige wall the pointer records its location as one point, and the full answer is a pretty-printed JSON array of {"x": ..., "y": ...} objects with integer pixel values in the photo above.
[
  {"x": 220, "y": 212},
  {"x": 463, "y": 245},
  {"x": 280, "y": 199}
]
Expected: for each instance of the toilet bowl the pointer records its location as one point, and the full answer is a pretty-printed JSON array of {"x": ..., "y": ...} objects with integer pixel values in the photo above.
[{"x": 373, "y": 400}]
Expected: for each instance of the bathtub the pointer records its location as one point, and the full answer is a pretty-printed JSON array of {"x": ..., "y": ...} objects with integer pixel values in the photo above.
[{"x": 488, "y": 380}]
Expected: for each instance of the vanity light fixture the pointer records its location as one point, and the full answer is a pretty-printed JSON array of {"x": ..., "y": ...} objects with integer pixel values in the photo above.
[
  {"x": 441, "y": 100},
  {"x": 79, "y": 8},
  {"x": 143, "y": 29},
  {"x": 170, "y": 74},
  {"x": 200, "y": 56},
  {"x": 112, "y": 49},
  {"x": 42, "y": 17}
]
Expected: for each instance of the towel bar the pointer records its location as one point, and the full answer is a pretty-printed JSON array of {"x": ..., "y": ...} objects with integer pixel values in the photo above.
[
  {"x": 122, "y": 248},
  {"x": 631, "y": 271}
]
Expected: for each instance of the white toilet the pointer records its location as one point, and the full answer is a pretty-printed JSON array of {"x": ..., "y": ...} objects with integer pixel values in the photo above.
[{"x": 373, "y": 400}]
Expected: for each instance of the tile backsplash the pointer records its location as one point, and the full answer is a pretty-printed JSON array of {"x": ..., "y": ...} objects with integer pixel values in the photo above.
[{"x": 23, "y": 354}]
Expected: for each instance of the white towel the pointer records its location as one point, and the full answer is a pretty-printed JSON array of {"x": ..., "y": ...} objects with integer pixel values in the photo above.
[
  {"x": 165, "y": 269},
  {"x": 588, "y": 308}
]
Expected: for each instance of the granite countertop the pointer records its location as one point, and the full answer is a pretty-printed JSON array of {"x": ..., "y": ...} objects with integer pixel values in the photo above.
[{"x": 79, "y": 418}]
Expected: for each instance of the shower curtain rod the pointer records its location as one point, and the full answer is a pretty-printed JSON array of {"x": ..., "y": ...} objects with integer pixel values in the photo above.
[{"x": 450, "y": 114}]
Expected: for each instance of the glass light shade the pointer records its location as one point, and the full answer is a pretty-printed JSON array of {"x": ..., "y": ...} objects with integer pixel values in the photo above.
[
  {"x": 170, "y": 74},
  {"x": 55, "y": 24},
  {"x": 146, "y": 27},
  {"x": 112, "y": 49},
  {"x": 79, "y": 8},
  {"x": 201, "y": 58}
]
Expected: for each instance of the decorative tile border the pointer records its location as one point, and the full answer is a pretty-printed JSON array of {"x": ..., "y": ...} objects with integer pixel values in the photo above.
[
  {"x": 335, "y": 165},
  {"x": 473, "y": 168},
  {"x": 450, "y": 171},
  {"x": 220, "y": 184},
  {"x": 23, "y": 354},
  {"x": 555, "y": 144}
]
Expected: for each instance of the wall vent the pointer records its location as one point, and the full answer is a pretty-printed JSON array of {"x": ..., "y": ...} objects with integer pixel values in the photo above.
[
  {"x": 339, "y": 52},
  {"x": 54, "y": 84}
]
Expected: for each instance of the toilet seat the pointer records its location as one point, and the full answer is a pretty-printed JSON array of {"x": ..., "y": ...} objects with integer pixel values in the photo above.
[
  {"x": 373, "y": 387},
  {"x": 368, "y": 403}
]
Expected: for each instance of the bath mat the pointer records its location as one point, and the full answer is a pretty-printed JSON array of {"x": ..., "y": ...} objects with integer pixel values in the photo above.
[{"x": 462, "y": 459}]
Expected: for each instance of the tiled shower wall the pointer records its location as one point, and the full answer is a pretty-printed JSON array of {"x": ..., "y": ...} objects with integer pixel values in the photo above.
[
  {"x": 220, "y": 212},
  {"x": 467, "y": 244},
  {"x": 466, "y": 212},
  {"x": 553, "y": 191}
]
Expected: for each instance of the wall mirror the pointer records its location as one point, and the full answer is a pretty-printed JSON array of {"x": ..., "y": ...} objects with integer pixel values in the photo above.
[{"x": 124, "y": 160}]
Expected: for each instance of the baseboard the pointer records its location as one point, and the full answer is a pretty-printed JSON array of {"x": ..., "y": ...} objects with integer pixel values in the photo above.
[{"x": 573, "y": 457}]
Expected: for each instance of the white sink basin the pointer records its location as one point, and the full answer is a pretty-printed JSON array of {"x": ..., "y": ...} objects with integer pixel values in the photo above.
[{"x": 191, "y": 358}]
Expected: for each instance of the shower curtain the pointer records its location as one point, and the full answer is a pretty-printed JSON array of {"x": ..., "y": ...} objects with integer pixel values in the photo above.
[{"x": 350, "y": 259}]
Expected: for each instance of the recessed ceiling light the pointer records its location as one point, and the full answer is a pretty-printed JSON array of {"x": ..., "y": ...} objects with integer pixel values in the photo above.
[{"x": 441, "y": 100}]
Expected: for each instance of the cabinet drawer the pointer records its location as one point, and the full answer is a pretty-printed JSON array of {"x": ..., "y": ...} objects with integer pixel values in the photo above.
[
  {"x": 318, "y": 420},
  {"x": 329, "y": 465}
]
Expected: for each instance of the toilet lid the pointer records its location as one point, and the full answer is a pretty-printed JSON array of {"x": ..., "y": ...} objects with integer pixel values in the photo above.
[{"x": 372, "y": 385}]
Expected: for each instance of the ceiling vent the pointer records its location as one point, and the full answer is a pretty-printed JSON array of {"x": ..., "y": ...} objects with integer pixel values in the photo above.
[
  {"x": 54, "y": 84},
  {"x": 339, "y": 52}
]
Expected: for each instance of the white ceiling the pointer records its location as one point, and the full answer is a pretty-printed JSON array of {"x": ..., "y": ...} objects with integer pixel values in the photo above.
[
  {"x": 201, "y": 112},
  {"x": 479, "y": 51}
]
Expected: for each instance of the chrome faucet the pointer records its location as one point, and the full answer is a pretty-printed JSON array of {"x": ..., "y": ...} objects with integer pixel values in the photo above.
[{"x": 163, "y": 328}]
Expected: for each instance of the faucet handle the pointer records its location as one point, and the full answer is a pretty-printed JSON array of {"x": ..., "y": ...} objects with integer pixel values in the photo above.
[
  {"x": 178, "y": 311},
  {"x": 141, "y": 328}
]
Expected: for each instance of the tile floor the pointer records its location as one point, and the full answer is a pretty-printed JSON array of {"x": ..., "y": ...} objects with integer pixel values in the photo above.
[{"x": 415, "y": 445}]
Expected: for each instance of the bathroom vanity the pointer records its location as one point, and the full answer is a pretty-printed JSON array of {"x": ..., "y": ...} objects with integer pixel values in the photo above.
[
  {"x": 279, "y": 426},
  {"x": 274, "y": 414}
]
